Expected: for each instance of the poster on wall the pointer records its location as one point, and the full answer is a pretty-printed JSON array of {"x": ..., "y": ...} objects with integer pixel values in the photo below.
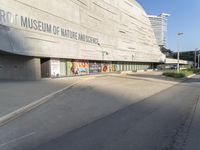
[
  {"x": 55, "y": 67},
  {"x": 106, "y": 67},
  {"x": 118, "y": 67},
  {"x": 79, "y": 67},
  {"x": 114, "y": 67},
  {"x": 95, "y": 67}
]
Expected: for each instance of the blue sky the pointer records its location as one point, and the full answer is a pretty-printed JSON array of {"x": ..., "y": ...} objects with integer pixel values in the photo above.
[{"x": 185, "y": 17}]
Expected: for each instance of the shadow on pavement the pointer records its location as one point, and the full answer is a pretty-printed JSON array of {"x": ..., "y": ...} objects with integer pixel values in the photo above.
[
  {"x": 150, "y": 78},
  {"x": 193, "y": 79},
  {"x": 143, "y": 125}
]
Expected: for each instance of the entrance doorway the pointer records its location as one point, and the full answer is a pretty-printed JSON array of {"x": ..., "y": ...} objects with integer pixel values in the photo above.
[{"x": 45, "y": 67}]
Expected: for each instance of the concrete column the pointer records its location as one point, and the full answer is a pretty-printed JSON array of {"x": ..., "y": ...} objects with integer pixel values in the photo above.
[{"x": 14, "y": 67}]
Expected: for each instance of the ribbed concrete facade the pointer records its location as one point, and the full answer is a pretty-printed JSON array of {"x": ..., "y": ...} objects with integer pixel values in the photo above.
[{"x": 98, "y": 30}]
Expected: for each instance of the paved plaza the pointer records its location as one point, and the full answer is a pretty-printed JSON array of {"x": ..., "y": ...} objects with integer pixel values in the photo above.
[{"x": 104, "y": 112}]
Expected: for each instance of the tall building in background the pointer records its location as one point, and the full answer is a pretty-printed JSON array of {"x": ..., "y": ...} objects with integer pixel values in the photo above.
[{"x": 159, "y": 25}]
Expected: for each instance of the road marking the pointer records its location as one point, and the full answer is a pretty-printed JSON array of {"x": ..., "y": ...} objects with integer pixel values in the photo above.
[
  {"x": 13, "y": 115},
  {"x": 17, "y": 139}
]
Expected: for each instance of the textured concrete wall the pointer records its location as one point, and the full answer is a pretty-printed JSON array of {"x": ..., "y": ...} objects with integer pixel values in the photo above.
[
  {"x": 121, "y": 27},
  {"x": 19, "y": 68}
]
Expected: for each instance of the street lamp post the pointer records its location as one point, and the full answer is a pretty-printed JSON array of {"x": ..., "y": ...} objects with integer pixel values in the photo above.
[
  {"x": 178, "y": 49},
  {"x": 195, "y": 58},
  {"x": 133, "y": 57},
  {"x": 198, "y": 60},
  {"x": 103, "y": 52}
]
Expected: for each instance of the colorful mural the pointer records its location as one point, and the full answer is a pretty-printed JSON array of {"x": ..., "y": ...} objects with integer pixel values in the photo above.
[
  {"x": 95, "y": 67},
  {"x": 106, "y": 67},
  {"x": 79, "y": 67}
]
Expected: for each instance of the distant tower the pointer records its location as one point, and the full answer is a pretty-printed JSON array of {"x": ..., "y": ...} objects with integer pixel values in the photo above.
[{"x": 159, "y": 25}]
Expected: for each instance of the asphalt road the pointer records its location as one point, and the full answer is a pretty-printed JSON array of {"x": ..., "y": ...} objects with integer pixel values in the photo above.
[{"x": 120, "y": 114}]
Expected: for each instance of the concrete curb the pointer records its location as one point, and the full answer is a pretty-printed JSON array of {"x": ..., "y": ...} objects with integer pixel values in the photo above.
[
  {"x": 191, "y": 76},
  {"x": 188, "y": 77},
  {"x": 13, "y": 115}
]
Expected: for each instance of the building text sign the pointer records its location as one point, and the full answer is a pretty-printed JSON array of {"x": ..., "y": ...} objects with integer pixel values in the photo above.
[{"x": 8, "y": 18}]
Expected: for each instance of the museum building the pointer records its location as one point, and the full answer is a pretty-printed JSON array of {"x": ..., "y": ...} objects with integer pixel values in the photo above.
[{"x": 41, "y": 39}]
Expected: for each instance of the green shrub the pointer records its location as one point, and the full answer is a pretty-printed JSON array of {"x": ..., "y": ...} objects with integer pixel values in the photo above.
[
  {"x": 194, "y": 70},
  {"x": 175, "y": 74},
  {"x": 181, "y": 73}
]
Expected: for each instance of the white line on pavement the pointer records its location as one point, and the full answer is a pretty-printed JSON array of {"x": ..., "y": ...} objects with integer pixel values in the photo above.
[
  {"x": 17, "y": 139},
  {"x": 13, "y": 115}
]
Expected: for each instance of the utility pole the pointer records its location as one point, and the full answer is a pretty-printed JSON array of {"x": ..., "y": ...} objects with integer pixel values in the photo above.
[
  {"x": 178, "y": 49},
  {"x": 195, "y": 58}
]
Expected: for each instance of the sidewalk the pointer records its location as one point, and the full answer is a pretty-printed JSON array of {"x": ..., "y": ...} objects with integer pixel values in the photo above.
[
  {"x": 18, "y": 97},
  {"x": 17, "y": 94}
]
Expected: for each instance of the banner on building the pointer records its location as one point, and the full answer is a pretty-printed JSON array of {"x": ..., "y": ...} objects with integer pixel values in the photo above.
[
  {"x": 94, "y": 67},
  {"x": 79, "y": 67},
  {"x": 55, "y": 67},
  {"x": 106, "y": 67}
]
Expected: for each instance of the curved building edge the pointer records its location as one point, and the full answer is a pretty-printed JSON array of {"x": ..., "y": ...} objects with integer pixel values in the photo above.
[{"x": 64, "y": 32}]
